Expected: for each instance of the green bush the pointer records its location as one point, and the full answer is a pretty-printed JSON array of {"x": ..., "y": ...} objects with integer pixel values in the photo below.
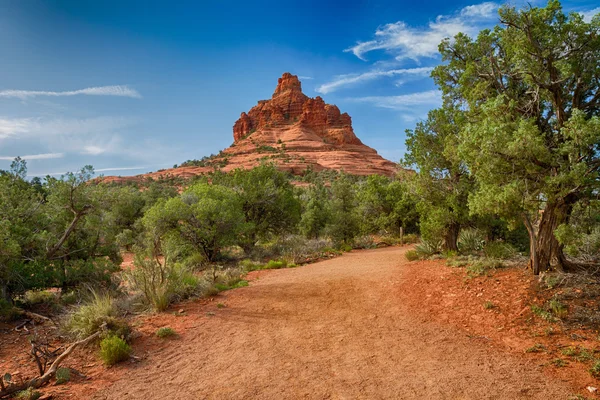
[
  {"x": 410, "y": 238},
  {"x": 162, "y": 284},
  {"x": 28, "y": 394},
  {"x": 165, "y": 332},
  {"x": 113, "y": 349},
  {"x": 470, "y": 241},
  {"x": 33, "y": 297},
  {"x": 364, "y": 242},
  {"x": 500, "y": 250},
  {"x": 276, "y": 264},
  {"x": 63, "y": 375},
  {"x": 428, "y": 248},
  {"x": 87, "y": 319},
  {"x": 412, "y": 255},
  {"x": 483, "y": 266},
  {"x": 557, "y": 308},
  {"x": 7, "y": 311}
]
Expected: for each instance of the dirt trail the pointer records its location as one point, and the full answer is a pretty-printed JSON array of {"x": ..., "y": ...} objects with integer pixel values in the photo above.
[{"x": 337, "y": 329}]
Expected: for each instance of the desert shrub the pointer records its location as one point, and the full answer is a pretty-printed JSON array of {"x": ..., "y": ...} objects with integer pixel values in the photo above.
[
  {"x": 582, "y": 245},
  {"x": 428, "y": 248},
  {"x": 410, "y": 238},
  {"x": 28, "y": 394},
  {"x": 540, "y": 312},
  {"x": 470, "y": 241},
  {"x": 595, "y": 370},
  {"x": 7, "y": 311},
  {"x": 33, "y": 297},
  {"x": 249, "y": 265},
  {"x": 557, "y": 308},
  {"x": 412, "y": 255},
  {"x": 165, "y": 332},
  {"x": 162, "y": 283},
  {"x": 482, "y": 266},
  {"x": 113, "y": 349},
  {"x": 500, "y": 250},
  {"x": 364, "y": 242},
  {"x": 297, "y": 249},
  {"x": 63, "y": 375},
  {"x": 488, "y": 305},
  {"x": 276, "y": 264},
  {"x": 88, "y": 318}
]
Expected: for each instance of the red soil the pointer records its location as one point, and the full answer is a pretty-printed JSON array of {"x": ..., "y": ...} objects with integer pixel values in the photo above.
[{"x": 367, "y": 325}]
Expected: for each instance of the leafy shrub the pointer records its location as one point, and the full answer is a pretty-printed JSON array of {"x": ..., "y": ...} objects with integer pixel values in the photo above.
[
  {"x": 364, "y": 242},
  {"x": 276, "y": 264},
  {"x": 540, "y": 312},
  {"x": 411, "y": 255},
  {"x": 113, "y": 349},
  {"x": 88, "y": 318},
  {"x": 7, "y": 311},
  {"x": 33, "y": 297},
  {"x": 410, "y": 238},
  {"x": 482, "y": 266},
  {"x": 28, "y": 394},
  {"x": 63, "y": 375},
  {"x": 249, "y": 265},
  {"x": 165, "y": 332},
  {"x": 470, "y": 241},
  {"x": 428, "y": 248},
  {"x": 499, "y": 250}
]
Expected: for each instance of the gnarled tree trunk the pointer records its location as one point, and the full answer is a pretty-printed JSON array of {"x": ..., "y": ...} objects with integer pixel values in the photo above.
[
  {"x": 451, "y": 237},
  {"x": 545, "y": 250}
]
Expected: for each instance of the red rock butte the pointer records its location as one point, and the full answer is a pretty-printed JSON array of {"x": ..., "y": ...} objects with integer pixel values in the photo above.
[{"x": 295, "y": 132}]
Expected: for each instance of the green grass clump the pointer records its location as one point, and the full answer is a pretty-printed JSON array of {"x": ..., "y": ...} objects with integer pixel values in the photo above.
[
  {"x": 113, "y": 350},
  {"x": 28, "y": 394},
  {"x": 595, "y": 370},
  {"x": 63, "y": 375},
  {"x": 276, "y": 264},
  {"x": 559, "y": 362},
  {"x": 569, "y": 351},
  {"x": 165, "y": 332},
  {"x": 488, "y": 305},
  {"x": 543, "y": 314},
  {"x": 88, "y": 318},
  {"x": 557, "y": 308},
  {"x": 411, "y": 255},
  {"x": 428, "y": 248},
  {"x": 536, "y": 348},
  {"x": 7, "y": 311}
]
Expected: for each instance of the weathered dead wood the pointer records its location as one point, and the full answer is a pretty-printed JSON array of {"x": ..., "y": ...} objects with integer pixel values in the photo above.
[{"x": 43, "y": 379}]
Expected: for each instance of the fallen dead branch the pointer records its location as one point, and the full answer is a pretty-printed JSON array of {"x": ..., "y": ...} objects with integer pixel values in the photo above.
[{"x": 36, "y": 382}]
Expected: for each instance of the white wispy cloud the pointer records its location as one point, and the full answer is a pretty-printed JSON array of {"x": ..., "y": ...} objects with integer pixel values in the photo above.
[
  {"x": 404, "y": 102},
  {"x": 13, "y": 126},
  {"x": 44, "y": 156},
  {"x": 305, "y": 78},
  {"x": 407, "y": 42},
  {"x": 588, "y": 15},
  {"x": 353, "y": 79},
  {"x": 117, "y": 90}
]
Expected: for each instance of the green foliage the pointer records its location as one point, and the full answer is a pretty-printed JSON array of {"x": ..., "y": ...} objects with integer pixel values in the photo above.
[
  {"x": 316, "y": 211},
  {"x": 165, "y": 332},
  {"x": 63, "y": 375},
  {"x": 33, "y": 297},
  {"x": 595, "y": 369},
  {"x": 529, "y": 93},
  {"x": 470, "y": 241},
  {"x": 536, "y": 348},
  {"x": 557, "y": 308},
  {"x": 87, "y": 319},
  {"x": 428, "y": 248},
  {"x": 7, "y": 311},
  {"x": 161, "y": 282},
  {"x": 483, "y": 266},
  {"x": 28, "y": 394},
  {"x": 412, "y": 255},
  {"x": 540, "y": 312},
  {"x": 488, "y": 305},
  {"x": 113, "y": 350},
  {"x": 344, "y": 224},
  {"x": 268, "y": 202},
  {"x": 499, "y": 250}
]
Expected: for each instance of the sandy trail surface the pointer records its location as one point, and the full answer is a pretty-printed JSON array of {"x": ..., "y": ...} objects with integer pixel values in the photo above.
[{"x": 336, "y": 329}]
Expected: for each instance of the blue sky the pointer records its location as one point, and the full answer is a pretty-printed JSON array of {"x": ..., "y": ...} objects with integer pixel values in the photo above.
[{"x": 135, "y": 86}]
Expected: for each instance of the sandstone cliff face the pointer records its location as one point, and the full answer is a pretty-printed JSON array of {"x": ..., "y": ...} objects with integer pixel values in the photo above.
[{"x": 295, "y": 132}]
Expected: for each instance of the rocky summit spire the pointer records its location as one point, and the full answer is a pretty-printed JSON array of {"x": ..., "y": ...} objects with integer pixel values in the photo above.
[
  {"x": 289, "y": 106},
  {"x": 287, "y": 82}
]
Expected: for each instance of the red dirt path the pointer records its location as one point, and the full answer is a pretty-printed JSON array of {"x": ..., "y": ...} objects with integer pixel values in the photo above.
[{"x": 356, "y": 327}]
